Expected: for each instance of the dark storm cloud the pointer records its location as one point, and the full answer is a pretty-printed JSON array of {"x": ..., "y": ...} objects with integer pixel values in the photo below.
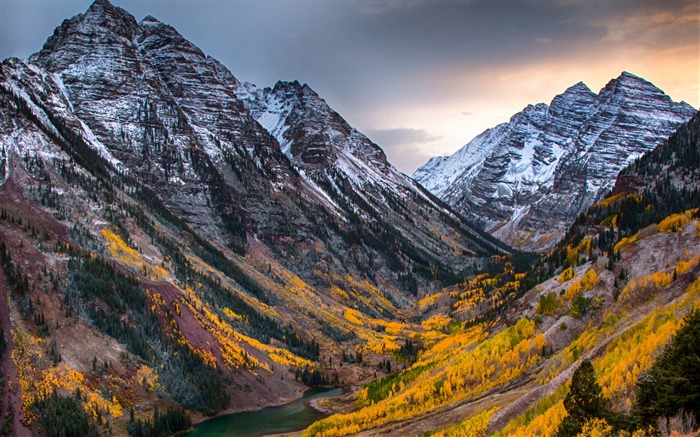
[{"x": 387, "y": 64}]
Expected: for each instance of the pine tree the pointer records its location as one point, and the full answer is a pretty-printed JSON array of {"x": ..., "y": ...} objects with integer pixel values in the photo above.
[
  {"x": 585, "y": 401},
  {"x": 673, "y": 382}
]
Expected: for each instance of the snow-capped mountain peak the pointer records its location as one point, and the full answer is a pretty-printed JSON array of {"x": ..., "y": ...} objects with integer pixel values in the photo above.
[
  {"x": 549, "y": 162},
  {"x": 276, "y": 166}
]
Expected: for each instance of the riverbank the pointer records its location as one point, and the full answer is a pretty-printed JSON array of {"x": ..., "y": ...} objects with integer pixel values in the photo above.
[
  {"x": 314, "y": 403},
  {"x": 284, "y": 419}
]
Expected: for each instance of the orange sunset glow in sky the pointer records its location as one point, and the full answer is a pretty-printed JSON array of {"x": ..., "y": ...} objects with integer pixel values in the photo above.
[{"x": 420, "y": 78}]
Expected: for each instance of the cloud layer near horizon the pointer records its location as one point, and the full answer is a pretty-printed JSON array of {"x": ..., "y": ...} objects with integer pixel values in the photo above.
[{"x": 421, "y": 78}]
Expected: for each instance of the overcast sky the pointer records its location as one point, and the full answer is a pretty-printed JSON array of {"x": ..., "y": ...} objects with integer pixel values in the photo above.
[{"x": 420, "y": 78}]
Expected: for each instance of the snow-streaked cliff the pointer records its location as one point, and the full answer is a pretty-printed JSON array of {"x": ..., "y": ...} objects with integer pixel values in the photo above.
[{"x": 526, "y": 180}]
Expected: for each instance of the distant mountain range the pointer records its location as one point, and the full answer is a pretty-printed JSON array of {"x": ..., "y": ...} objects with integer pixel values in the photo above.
[{"x": 526, "y": 181}]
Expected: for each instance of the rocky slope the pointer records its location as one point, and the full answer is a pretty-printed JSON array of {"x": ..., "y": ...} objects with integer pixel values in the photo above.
[
  {"x": 613, "y": 291},
  {"x": 349, "y": 169},
  {"x": 163, "y": 242},
  {"x": 526, "y": 180},
  {"x": 172, "y": 236},
  {"x": 172, "y": 117}
]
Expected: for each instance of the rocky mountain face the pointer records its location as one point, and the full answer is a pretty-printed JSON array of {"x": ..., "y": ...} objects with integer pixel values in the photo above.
[
  {"x": 156, "y": 103},
  {"x": 172, "y": 118},
  {"x": 175, "y": 243},
  {"x": 526, "y": 181},
  {"x": 673, "y": 166},
  {"x": 351, "y": 171},
  {"x": 206, "y": 242},
  {"x": 618, "y": 290}
]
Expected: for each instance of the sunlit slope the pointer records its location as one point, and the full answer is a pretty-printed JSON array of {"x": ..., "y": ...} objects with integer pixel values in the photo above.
[{"x": 505, "y": 344}]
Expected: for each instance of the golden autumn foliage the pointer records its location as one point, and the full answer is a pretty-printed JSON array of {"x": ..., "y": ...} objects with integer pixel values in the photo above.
[
  {"x": 573, "y": 291},
  {"x": 484, "y": 292},
  {"x": 121, "y": 251},
  {"x": 353, "y": 316},
  {"x": 38, "y": 379},
  {"x": 428, "y": 301},
  {"x": 475, "y": 426},
  {"x": 367, "y": 293},
  {"x": 448, "y": 346},
  {"x": 573, "y": 253},
  {"x": 447, "y": 376},
  {"x": 567, "y": 356},
  {"x": 200, "y": 267},
  {"x": 63, "y": 377},
  {"x": 587, "y": 282},
  {"x": 596, "y": 428},
  {"x": 593, "y": 334},
  {"x": 626, "y": 357},
  {"x": 634, "y": 351},
  {"x": 378, "y": 336},
  {"x": 436, "y": 323},
  {"x": 457, "y": 365},
  {"x": 470, "y": 299},
  {"x": 685, "y": 265},
  {"x": 230, "y": 314},
  {"x": 234, "y": 355},
  {"x": 609, "y": 200},
  {"x": 339, "y": 292},
  {"x": 674, "y": 222},
  {"x": 27, "y": 355},
  {"x": 541, "y": 419},
  {"x": 392, "y": 328},
  {"x": 543, "y": 425},
  {"x": 278, "y": 355},
  {"x": 640, "y": 289},
  {"x": 567, "y": 275},
  {"x": 640, "y": 433},
  {"x": 625, "y": 241},
  {"x": 148, "y": 378}
]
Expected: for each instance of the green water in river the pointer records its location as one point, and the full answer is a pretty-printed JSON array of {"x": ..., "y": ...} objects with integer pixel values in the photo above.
[{"x": 293, "y": 416}]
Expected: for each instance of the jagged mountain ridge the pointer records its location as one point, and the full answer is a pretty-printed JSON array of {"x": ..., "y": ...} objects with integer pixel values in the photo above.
[
  {"x": 528, "y": 179},
  {"x": 179, "y": 125},
  {"x": 162, "y": 228},
  {"x": 613, "y": 291},
  {"x": 341, "y": 162},
  {"x": 74, "y": 209}
]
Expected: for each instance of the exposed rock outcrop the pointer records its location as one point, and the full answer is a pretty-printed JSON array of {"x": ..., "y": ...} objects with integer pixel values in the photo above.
[{"x": 526, "y": 180}]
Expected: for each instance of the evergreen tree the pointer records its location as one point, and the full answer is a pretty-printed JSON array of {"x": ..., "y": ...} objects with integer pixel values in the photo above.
[
  {"x": 673, "y": 382},
  {"x": 585, "y": 401},
  {"x": 63, "y": 416}
]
